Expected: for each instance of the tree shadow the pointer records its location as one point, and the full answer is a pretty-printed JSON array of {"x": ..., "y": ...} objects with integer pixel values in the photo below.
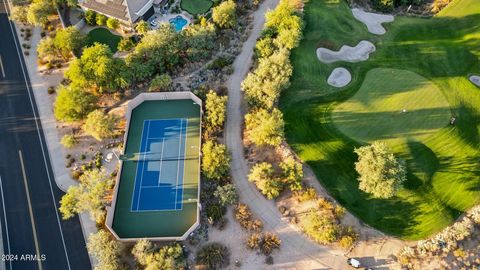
[{"x": 422, "y": 165}]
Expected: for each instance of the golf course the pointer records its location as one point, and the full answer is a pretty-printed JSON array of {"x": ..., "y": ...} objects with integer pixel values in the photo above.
[{"x": 413, "y": 93}]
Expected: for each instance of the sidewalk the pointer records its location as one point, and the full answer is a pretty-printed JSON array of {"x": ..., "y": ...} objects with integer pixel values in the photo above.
[{"x": 56, "y": 151}]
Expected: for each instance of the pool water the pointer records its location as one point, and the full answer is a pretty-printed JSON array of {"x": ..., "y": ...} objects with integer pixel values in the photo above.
[{"x": 178, "y": 22}]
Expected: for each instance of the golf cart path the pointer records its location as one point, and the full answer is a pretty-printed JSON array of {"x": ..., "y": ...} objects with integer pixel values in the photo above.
[{"x": 297, "y": 251}]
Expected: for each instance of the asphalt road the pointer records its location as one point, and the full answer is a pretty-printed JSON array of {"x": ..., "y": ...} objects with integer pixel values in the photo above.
[{"x": 29, "y": 195}]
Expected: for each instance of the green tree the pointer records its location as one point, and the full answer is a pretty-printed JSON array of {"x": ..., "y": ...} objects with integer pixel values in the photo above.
[
  {"x": 215, "y": 160},
  {"x": 89, "y": 195},
  {"x": 106, "y": 250},
  {"x": 161, "y": 83},
  {"x": 160, "y": 49},
  {"x": 215, "y": 109},
  {"x": 98, "y": 69},
  {"x": 292, "y": 173},
  {"x": 321, "y": 228},
  {"x": 113, "y": 23},
  {"x": 286, "y": 23},
  {"x": 142, "y": 27},
  {"x": 264, "y": 127},
  {"x": 100, "y": 125},
  {"x": 263, "y": 175},
  {"x": 90, "y": 17},
  {"x": 125, "y": 44},
  {"x": 199, "y": 41},
  {"x": 224, "y": 15},
  {"x": 46, "y": 49},
  {"x": 38, "y": 12},
  {"x": 151, "y": 257},
  {"x": 68, "y": 140},
  {"x": 19, "y": 14},
  {"x": 265, "y": 47},
  {"x": 263, "y": 86},
  {"x": 73, "y": 104},
  {"x": 100, "y": 19},
  {"x": 69, "y": 40},
  {"x": 381, "y": 173},
  {"x": 226, "y": 194}
]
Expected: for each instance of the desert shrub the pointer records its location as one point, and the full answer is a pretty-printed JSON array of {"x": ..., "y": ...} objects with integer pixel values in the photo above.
[
  {"x": 226, "y": 194},
  {"x": 68, "y": 141},
  {"x": 51, "y": 90},
  {"x": 213, "y": 256},
  {"x": 254, "y": 241},
  {"x": 245, "y": 218},
  {"x": 215, "y": 212},
  {"x": 306, "y": 194},
  {"x": 215, "y": 160},
  {"x": 160, "y": 83}
]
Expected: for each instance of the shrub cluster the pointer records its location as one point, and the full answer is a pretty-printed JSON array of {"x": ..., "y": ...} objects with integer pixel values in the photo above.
[
  {"x": 264, "y": 242},
  {"x": 245, "y": 218}
]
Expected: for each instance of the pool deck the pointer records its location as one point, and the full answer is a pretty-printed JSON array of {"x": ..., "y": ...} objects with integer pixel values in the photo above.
[
  {"x": 128, "y": 225},
  {"x": 165, "y": 18}
]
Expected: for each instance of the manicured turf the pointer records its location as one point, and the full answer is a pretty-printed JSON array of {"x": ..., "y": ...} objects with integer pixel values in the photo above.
[
  {"x": 444, "y": 170},
  {"x": 104, "y": 36},
  {"x": 380, "y": 103},
  {"x": 195, "y": 7}
]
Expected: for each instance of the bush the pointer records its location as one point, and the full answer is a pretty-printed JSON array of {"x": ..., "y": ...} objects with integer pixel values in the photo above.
[
  {"x": 100, "y": 125},
  {"x": 68, "y": 141},
  {"x": 262, "y": 174},
  {"x": 227, "y": 195},
  {"x": 90, "y": 17},
  {"x": 306, "y": 195},
  {"x": 220, "y": 62},
  {"x": 215, "y": 160},
  {"x": 112, "y": 23},
  {"x": 224, "y": 15},
  {"x": 51, "y": 90},
  {"x": 100, "y": 19},
  {"x": 265, "y": 242},
  {"x": 213, "y": 256},
  {"x": 73, "y": 104},
  {"x": 215, "y": 212},
  {"x": 265, "y": 127},
  {"x": 160, "y": 83},
  {"x": 244, "y": 217},
  {"x": 125, "y": 44},
  {"x": 215, "y": 108}
]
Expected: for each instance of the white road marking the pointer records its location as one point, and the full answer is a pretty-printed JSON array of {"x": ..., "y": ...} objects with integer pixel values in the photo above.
[
  {"x": 32, "y": 219},
  {"x": 1, "y": 67},
  {"x": 6, "y": 223},
  {"x": 38, "y": 133}
]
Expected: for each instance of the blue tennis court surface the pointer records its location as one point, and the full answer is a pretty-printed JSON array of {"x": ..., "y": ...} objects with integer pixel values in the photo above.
[{"x": 160, "y": 167}]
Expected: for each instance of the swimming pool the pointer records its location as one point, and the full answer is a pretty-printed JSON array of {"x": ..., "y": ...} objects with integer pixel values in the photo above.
[{"x": 178, "y": 22}]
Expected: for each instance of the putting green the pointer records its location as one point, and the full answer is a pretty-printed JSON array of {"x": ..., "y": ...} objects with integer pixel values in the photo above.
[{"x": 376, "y": 111}]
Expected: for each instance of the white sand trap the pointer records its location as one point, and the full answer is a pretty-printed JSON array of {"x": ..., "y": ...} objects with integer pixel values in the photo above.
[
  {"x": 373, "y": 21},
  {"x": 339, "y": 77},
  {"x": 346, "y": 53},
  {"x": 475, "y": 79}
]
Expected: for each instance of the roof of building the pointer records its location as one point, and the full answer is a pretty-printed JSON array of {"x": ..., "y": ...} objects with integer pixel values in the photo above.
[{"x": 125, "y": 10}]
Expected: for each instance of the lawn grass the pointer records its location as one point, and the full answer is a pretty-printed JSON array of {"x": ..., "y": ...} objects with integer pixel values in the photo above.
[
  {"x": 104, "y": 36},
  {"x": 195, "y": 7},
  {"x": 379, "y": 105},
  {"x": 444, "y": 171}
]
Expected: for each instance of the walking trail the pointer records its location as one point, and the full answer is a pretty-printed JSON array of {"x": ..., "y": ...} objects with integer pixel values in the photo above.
[{"x": 297, "y": 251}]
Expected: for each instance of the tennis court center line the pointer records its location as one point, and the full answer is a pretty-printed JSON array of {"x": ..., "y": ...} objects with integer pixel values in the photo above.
[
  {"x": 161, "y": 162},
  {"x": 6, "y": 222},
  {"x": 32, "y": 219},
  {"x": 136, "y": 169},
  {"x": 143, "y": 164},
  {"x": 178, "y": 161},
  {"x": 184, "y": 160}
]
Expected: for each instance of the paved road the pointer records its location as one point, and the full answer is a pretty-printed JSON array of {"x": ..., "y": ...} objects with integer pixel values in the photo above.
[{"x": 29, "y": 196}]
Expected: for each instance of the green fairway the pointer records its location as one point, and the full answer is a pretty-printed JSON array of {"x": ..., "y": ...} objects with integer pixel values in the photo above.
[
  {"x": 380, "y": 104},
  {"x": 104, "y": 36},
  {"x": 195, "y": 7},
  {"x": 430, "y": 60}
]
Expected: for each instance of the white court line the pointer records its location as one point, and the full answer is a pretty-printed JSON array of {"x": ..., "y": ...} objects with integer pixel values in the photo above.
[
  {"x": 6, "y": 223},
  {"x": 30, "y": 93},
  {"x": 30, "y": 210},
  {"x": 138, "y": 165},
  {"x": 143, "y": 165},
  {"x": 178, "y": 161},
  {"x": 1, "y": 67},
  {"x": 184, "y": 158},
  {"x": 161, "y": 162}
]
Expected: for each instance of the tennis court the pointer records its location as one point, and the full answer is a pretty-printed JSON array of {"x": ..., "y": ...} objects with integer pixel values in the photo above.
[{"x": 160, "y": 166}]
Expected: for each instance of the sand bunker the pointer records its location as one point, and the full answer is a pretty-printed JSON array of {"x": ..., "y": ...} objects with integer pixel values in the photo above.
[
  {"x": 346, "y": 53},
  {"x": 373, "y": 21},
  {"x": 475, "y": 79},
  {"x": 339, "y": 77}
]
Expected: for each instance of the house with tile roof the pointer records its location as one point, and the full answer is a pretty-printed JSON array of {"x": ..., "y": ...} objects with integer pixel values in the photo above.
[{"x": 128, "y": 12}]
